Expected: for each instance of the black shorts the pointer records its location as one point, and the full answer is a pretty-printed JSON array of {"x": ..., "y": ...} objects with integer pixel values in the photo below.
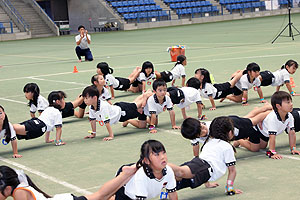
[
  {"x": 246, "y": 129},
  {"x": 136, "y": 83},
  {"x": 223, "y": 90},
  {"x": 200, "y": 168},
  {"x": 129, "y": 111},
  {"x": 124, "y": 83},
  {"x": 296, "y": 116},
  {"x": 267, "y": 78},
  {"x": 34, "y": 128},
  {"x": 68, "y": 110},
  {"x": 176, "y": 95},
  {"x": 83, "y": 105},
  {"x": 236, "y": 91},
  {"x": 79, "y": 198},
  {"x": 167, "y": 76}
]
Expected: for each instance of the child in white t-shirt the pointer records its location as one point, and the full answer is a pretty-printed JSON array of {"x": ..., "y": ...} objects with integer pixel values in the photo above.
[
  {"x": 8, "y": 133},
  {"x": 177, "y": 72},
  {"x": 280, "y": 77},
  {"x": 154, "y": 178},
  {"x": 50, "y": 118},
  {"x": 36, "y": 101},
  {"x": 217, "y": 155}
]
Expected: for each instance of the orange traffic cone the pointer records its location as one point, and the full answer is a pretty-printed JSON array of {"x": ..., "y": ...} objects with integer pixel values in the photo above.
[
  {"x": 75, "y": 70},
  {"x": 292, "y": 82}
]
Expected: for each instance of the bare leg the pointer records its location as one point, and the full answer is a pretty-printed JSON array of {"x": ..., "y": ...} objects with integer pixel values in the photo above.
[
  {"x": 112, "y": 186},
  {"x": 259, "y": 118},
  {"x": 234, "y": 98},
  {"x": 20, "y": 129},
  {"x": 77, "y": 102},
  {"x": 258, "y": 110},
  {"x": 47, "y": 137},
  {"x": 236, "y": 78},
  {"x": 157, "y": 74},
  {"x": 141, "y": 100},
  {"x": 248, "y": 145},
  {"x": 135, "y": 123},
  {"x": 133, "y": 89},
  {"x": 80, "y": 113},
  {"x": 134, "y": 74}
]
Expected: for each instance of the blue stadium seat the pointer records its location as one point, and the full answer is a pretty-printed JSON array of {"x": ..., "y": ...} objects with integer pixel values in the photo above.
[
  {"x": 262, "y": 4},
  {"x": 152, "y": 7},
  {"x": 114, "y": 4},
  {"x": 172, "y": 5},
  {"x": 126, "y": 16},
  {"x": 182, "y": 5},
  {"x": 142, "y": 8},
  {"x": 147, "y": 8},
  {"x": 158, "y": 7},
  {"x": 189, "y": 11},
  {"x": 215, "y": 9},
  {"x": 125, "y": 3},
  {"x": 136, "y": 9},
  {"x": 132, "y": 16},
  {"x": 130, "y": 9},
  {"x": 125, "y": 10},
  {"x": 183, "y": 11},
  {"x": 135, "y": 3},
  {"x": 188, "y": 4},
  {"x": 193, "y": 4},
  {"x": 120, "y": 10},
  {"x": 119, "y": 4},
  {"x": 204, "y": 9}
]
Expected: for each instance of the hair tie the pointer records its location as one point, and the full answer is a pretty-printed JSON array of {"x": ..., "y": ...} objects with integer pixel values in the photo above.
[{"x": 22, "y": 177}]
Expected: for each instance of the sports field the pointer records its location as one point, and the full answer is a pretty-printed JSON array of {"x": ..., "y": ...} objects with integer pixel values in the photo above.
[{"x": 82, "y": 166}]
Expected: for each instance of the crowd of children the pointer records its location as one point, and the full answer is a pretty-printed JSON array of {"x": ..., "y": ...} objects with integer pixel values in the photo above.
[{"x": 152, "y": 175}]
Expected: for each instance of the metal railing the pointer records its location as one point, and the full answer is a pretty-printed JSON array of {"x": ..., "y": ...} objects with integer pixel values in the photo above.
[
  {"x": 3, "y": 28},
  {"x": 17, "y": 15}
]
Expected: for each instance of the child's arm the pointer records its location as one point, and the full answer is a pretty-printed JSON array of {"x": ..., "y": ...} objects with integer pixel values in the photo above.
[
  {"x": 32, "y": 115},
  {"x": 290, "y": 89},
  {"x": 110, "y": 132},
  {"x": 112, "y": 92},
  {"x": 152, "y": 128},
  {"x": 261, "y": 96},
  {"x": 93, "y": 126},
  {"x": 87, "y": 38},
  {"x": 272, "y": 139},
  {"x": 173, "y": 83},
  {"x": 58, "y": 141},
  {"x": 109, "y": 101},
  {"x": 173, "y": 196},
  {"x": 183, "y": 81},
  {"x": 143, "y": 86},
  {"x": 212, "y": 101},
  {"x": 14, "y": 146},
  {"x": 230, "y": 180},
  {"x": 292, "y": 141},
  {"x": 277, "y": 88},
  {"x": 196, "y": 149},
  {"x": 47, "y": 137},
  {"x": 172, "y": 117},
  {"x": 183, "y": 113},
  {"x": 245, "y": 98}
]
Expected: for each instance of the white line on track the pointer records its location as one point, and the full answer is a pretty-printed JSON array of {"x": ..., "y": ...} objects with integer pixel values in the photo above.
[
  {"x": 14, "y": 101},
  {"x": 47, "y": 177},
  {"x": 57, "y": 81}
]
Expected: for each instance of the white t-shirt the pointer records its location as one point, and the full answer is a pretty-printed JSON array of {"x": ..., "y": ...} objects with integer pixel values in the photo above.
[
  {"x": 272, "y": 124},
  {"x": 142, "y": 185},
  {"x": 191, "y": 95},
  {"x": 142, "y": 77},
  {"x": 220, "y": 155},
  {"x": 105, "y": 95},
  {"x": 280, "y": 77},
  {"x": 111, "y": 81},
  {"x": 51, "y": 117},
  {"x": 42, "y": 104},
  {"x": 178, "y": 71},
  {"x": 39, "y": 196},
  {"x": 244, "y": 84},
  {"x": 154, "y": 107},
  {"x": 201, "y": 139},
  {"x": 12, "y": 132},
  {"x": 208, "y": 90},
  {"x": 105, "y": 112},
  {"x": 83, "y": 44}
]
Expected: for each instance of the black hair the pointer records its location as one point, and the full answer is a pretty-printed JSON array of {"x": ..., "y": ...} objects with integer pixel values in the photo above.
[
  {"x": 9, "y": 177},
  {"x": 33, "y": 88},
  {"x": 94, "y": 78},
  {"x": 56, "y": 95},
  {"x": 146, "y": 148},
  {"x": 206, "y": 76},
  {"x": 81, "y": 26},
  {"x": 194, "y": 83},
  {"x": 157, "y": 83},
  {"x": 5, "y": 127},
  {"x": 190, "y": 128},
  {"x": 90, "y": 91},
  {"x": 219, "y": 129},
  {"x": 105, "y": 69},
  {"x": 278, "y": 97},
  {"x": 252, "y": 67},
  {"x": 290, "y": 63},
  {"x": 147, "y": 65},
  {"x": 180, "y": 60}
]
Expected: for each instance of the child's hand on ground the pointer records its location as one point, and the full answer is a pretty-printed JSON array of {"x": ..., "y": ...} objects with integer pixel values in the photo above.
[
  {"x": 108, "y": 138},
  {"x": 295, "y": 152},
  {"x": 49, "y": 141},
  {"x": 91, "y": 136},
  {"x": 175, "y": 127},
  {"x": 17, "y": 156},
  {"x": 276, "y": 156},
  {"x": 211, "y": 185},
  {"x": 245, "y": 104},
  {"x": 213, "y": 108},
  {"x": 237, "y": 191},
  {"x": 153, "y": 131},
  {"x": 263, "y": 101}
]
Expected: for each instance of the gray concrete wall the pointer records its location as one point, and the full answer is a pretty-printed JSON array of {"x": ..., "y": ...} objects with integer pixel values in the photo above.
[{"x": 80, "y": 12}]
